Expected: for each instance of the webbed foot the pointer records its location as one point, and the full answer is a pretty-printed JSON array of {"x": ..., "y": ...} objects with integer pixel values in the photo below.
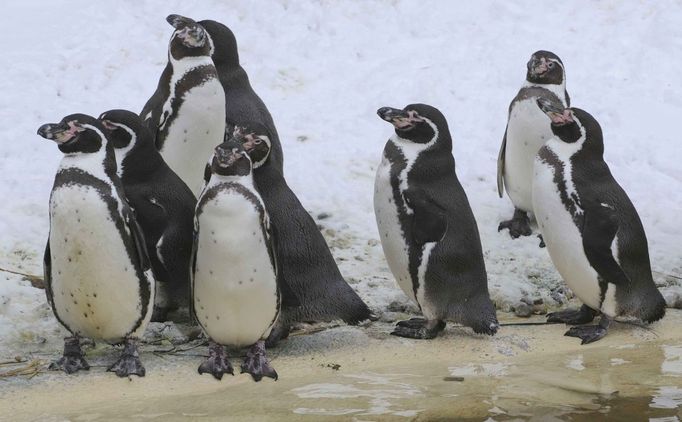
[
  {"x": 73, "y": 359},
  {"x": 518, "y": 226},
  {"x": 217, "y": 363},
  {"x": 583, "y": 315},
  {"x": 590, "y": 333},
  {"x": 129, "y": 362},
  {"x": 256, "y": 363},
  {"x": 279, "y": 332},
  {"x": 419, "y": 328},
  {"x": 542, "y": 242}
]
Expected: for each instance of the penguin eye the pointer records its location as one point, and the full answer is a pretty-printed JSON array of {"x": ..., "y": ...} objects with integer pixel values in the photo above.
[
  {"x": 258, "y": 141},
  {"x": 551, "y": 65}
]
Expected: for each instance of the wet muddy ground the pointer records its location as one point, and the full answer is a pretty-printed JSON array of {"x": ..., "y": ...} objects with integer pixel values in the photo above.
[{"x": 363, "y": 374}]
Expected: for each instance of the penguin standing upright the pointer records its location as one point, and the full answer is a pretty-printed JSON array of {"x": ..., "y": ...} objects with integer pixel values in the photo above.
[
  {"x": 163, "y": 204},
  {"x": 427, "y": 229},
  {"x": 186, "y": 114},
  {"x": 307, "y": 265},
  {"x": 592, "y": 231},
  {"x": 236, "y": 297},
  {"x": 527, "y": 130},
  {"x": 97, "y": 273}
]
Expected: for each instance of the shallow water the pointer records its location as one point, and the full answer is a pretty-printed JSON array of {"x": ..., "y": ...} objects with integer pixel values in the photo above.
[{"x": 615, "y": 382}]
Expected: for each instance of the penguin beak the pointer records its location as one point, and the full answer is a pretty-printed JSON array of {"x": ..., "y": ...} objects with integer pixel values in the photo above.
[
  {"x": 538, "y": 67},
  {"x": 179, "y": 22},
  {"x": 225, "y": 157},
  {"x": 556, "y": 112},
  {"x": 59, "y": 132},
  {"x": 401, "y": 119}
]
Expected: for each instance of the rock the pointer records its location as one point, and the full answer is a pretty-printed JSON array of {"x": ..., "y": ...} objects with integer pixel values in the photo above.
[
  {"x": 523, "y": 310},
  {"x": 404, "y": 307},
  {"x": 323, "y": 215},
  {"x": 673, "y": 296}
]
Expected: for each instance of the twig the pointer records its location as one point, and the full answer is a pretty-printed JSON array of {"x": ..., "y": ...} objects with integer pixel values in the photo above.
[
  {"x": 32, "y": 369},
  {"x": 667, "y": 275},
  {"x": 36, "y": 281}
]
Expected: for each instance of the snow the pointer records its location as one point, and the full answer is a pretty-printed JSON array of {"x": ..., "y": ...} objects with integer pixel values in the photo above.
[{"x": 324, "y": 68}]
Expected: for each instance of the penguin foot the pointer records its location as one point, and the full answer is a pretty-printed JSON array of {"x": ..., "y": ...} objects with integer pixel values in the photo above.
[
  {"x": 542, "y": 241},
  {"x": 257, "y": 364},
  {"x": 584, "y": 315},
  {"x": 419, "y": 328},
  {"x": 217, "y": 363},
  {"x": 73, "y": 359},
  {"x": 518, "y": 226},
  {"x": 129, "y": 362},
  {"x": 590, "y": 333},
  {"x": 279, "y": 332}
]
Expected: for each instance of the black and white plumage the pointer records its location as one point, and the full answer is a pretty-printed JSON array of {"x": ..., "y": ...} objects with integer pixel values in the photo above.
[
  {"x": 163, "y": 204},
  {"x": 186, "y": 114},
  {"x": 591, "y": 228},
  {"x": 307, "y": 265},
  {"x": 97, "y": 272},
  {"x": 527, "y": 130},
  {"x": 427, "y": 229},
  {"x": 235, "y": 288}
]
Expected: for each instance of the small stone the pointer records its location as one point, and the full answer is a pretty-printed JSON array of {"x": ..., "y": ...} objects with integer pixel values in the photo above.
[
  {"x": 523, "y": 310},
  {"x": 323, "y": 215}
]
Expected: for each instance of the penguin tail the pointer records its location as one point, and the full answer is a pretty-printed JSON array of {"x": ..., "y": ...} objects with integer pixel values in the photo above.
[
  {"x": 480, "y": 316},
  {"x": 657, "y": 311}
]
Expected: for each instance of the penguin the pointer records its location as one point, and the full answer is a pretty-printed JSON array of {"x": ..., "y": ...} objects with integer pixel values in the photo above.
[
  {"x": 98, "y": 276},
  {"x": 591, "y": 228},
  {"x": 527, "y": 130},
  {"x": 235, "y": 288},
  {"x": 163, "y": 204},
  {"x": 307, "y": 265},
  {"x": 427, "y": 229},
  {"x": 186, "y": 114}
]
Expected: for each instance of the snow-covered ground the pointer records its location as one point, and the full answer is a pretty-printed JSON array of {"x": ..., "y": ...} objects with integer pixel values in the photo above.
[{"x": 323, "y": 68}]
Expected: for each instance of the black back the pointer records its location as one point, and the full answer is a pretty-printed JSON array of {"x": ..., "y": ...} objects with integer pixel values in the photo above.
[
  {"x": 163, "y": 204},
  {"x": 456, "y": 278}
]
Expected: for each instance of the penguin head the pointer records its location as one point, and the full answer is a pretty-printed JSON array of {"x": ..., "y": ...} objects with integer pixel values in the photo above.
[
  {"x": 419, "y": 123},
  {"x": 223, "y": 44},
  {"x": 124, "y": 128},
  {"x": 230, "y": 159},
  {"x": 76, "y": 133},
  {"x": 572, "y": 124},
  {"x": 188, "y": 39},
  {"x": 545, "y": 67},
  {"x": 255, "y": 139}
]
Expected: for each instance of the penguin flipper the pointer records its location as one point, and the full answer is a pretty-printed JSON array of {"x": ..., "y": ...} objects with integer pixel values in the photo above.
[
  {"x": 192, "y": 269},
  {"x": 47, "y": 274},
  {"x": 138, "y": 237},
  {"x": 428, "y": 222},
  {"x": 600, "y": 225},
  {"x": 500, "y": 165},
  {"x": 289, "y": 298}
]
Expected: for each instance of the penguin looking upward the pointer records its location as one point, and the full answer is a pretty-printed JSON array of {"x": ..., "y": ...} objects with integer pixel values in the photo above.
[
  {"x": 186, "y": 114},
  {"x": 163, "y": 204},
  {"x": 592, "y": 231},
  {"x": 315, "y": 289},
  {"x": 98, "y": 279},
  {"x": 427, "y": 229},
  {"x": 242, "y": 104},
  {"x": 527, "y": 130}
]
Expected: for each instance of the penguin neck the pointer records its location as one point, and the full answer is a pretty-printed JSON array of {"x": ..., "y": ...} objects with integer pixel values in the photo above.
[
  {"x": 218, "y": 179},
  {"x": 557, "y": 89},
  {"x": 185, "y": 64},
  {"x": 101, "y": 164},
  {"x": 566, "y": 150}
]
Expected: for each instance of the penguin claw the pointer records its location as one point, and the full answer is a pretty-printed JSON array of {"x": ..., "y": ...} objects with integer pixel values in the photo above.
[
  {"x": 418, "y": 328},
  {"x": 129, "y": 362},
  {"x": 519, "y": 225},
  {"x": 584, "y": 315},
  {"x": 256, "y": 363},
  {"x": 70, "y": 364},
  {"x": 587, "y": 333},
  {"x": 412, "y": 323},
  {"x": 217, "y": 363},
  {"x": 72, "y": 359}
]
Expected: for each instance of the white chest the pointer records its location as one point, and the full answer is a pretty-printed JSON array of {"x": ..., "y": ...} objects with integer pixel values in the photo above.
[
  {"x": 527, "y": 130},
  {"x": 194, "y": 130},
  {"x": 562, "y": 237},
  {"x": 390, "y": 231},
  {"x": 96, "y": 291},
  {"x": 235, "y": 288}
]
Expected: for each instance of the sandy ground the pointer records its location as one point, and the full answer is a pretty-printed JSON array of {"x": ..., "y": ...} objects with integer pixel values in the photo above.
[{"x": 362, "y": 373}]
